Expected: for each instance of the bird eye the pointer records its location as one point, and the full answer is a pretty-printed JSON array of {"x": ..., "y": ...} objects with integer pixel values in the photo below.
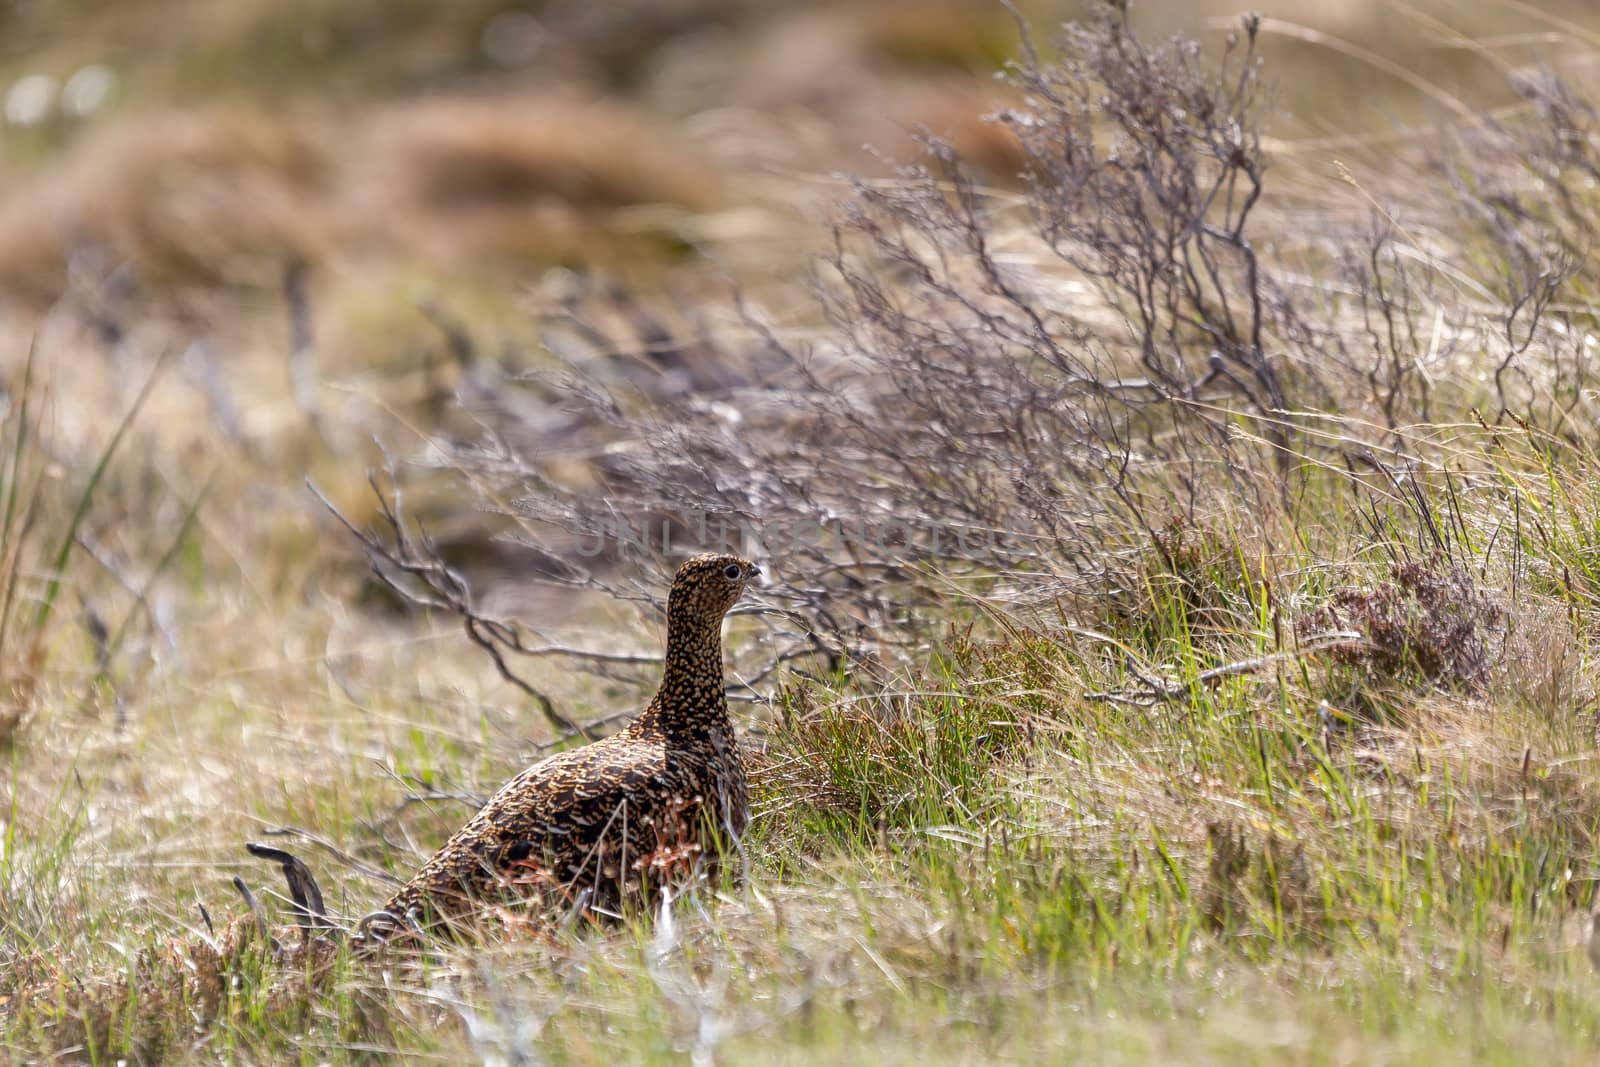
[{"x": 733, "y": 572}]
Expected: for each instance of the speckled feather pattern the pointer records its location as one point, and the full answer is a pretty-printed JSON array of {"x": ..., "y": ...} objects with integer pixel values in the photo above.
[{"x": 595, "y": 817}]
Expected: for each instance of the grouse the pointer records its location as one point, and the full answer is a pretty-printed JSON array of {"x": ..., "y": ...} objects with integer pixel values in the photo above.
[{"x": 589, "y": 825}]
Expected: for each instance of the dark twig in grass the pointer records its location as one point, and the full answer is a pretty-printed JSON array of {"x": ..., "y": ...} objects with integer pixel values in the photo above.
[
  {"x": 303, "y": 887},
  {"x": 256, "y": 909}
]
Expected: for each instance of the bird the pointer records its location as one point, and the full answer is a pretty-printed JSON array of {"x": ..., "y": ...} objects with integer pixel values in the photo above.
[{"x": 586, "y": 827}]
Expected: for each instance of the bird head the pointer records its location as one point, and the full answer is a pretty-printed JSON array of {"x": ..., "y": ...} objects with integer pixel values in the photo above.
[{"x": 707, "y": 586}]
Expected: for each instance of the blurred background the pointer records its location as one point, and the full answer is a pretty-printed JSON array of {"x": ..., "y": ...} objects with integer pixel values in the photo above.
[
  {"x": 195, "y": 147},
  {"x": 299, "y": 194}
]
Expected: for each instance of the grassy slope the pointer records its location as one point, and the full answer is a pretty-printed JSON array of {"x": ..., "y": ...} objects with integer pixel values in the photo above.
[{"x": 989, "y": 866}]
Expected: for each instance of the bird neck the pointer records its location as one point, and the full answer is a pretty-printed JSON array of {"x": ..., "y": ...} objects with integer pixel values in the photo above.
[{"x": 691, "y": 697}]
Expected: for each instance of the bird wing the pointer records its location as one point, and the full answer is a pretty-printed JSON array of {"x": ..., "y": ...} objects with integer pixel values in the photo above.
[{"x": 556, "y": 815}]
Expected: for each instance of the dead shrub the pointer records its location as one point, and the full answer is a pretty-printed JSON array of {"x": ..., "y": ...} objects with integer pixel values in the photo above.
[
  {"x": 958, "y": 428},
  {"x": 1427, "y": 623},
  {"x": 1146, "y": 167}
]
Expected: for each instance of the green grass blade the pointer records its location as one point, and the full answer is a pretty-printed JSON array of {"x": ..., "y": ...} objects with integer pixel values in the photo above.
[{"x": 59, "y": 565}]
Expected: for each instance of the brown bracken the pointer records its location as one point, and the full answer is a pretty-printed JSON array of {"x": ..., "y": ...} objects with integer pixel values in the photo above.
[{"x": 591, "y": 824}]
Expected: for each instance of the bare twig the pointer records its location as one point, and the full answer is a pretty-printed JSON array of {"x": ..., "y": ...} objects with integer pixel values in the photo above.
[
  {"x": 1153, "y": 690},
  {"x": 441, "y": 587},
  {"x": 303, "y": 886},
  {"x": 256, "y": 909}
]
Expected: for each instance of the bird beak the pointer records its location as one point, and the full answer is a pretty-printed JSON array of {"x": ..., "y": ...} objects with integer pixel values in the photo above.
[{"x": 752, "y": 571}]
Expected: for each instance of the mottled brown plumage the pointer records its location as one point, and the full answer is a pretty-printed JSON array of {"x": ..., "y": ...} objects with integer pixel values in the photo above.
[{"x": 595, "y": 822}]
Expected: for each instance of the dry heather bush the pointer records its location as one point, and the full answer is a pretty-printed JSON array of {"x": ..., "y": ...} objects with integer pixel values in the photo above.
[
  {"x": 1485, "y": 260},
  {"x": 1427, "y": 620},
  {"x": 210, "y": 198},
  {"x": 551, "y": 178},
  {"x": 1145, "y": 168},
  {"x": 1521, "y": 203},
  {"x": 1017, "y": 402},
  {"x": 959, "y": 423}
]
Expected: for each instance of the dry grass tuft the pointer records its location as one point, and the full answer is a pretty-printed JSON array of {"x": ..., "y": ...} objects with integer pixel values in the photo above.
[
  {"x": 227, "y": 198},
  {"x": 188, "y": 985},
  {"x": 215, "y": 198},
  {"x": 547, "y": 178}
]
